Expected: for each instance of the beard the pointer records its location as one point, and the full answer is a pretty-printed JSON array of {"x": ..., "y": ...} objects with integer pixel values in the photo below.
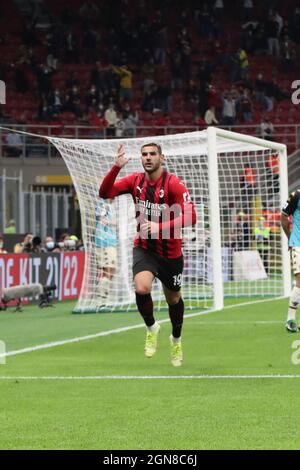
[{"x": 151, "y": 169}]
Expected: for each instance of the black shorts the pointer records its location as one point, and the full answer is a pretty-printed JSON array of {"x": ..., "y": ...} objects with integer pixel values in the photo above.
[{"x": 168, "y": 271}]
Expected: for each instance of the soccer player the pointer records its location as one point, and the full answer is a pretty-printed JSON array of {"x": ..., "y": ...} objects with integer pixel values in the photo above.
[
  {"x": 106, "y": 246},
  {"x": 163, "y": 208},
  {"x": 292, "y": 207}
]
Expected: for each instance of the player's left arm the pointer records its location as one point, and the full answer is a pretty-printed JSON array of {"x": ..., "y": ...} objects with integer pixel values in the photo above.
[{"x": 186, "y": 214}]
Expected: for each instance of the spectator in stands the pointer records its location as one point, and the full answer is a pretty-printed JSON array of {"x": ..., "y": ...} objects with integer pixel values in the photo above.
[
  {"x": 288, "y": 54},
  {"x": 160, "y": 39},
  {"x": 234, "y": 67},
  {"x": 36, "y": 245},
  {"x": 49, "y": 245},
  {"x": 111, "y": 118},
  {"x": 294, "y": 25},
  {"x": 25, "y": 245},
  {"x": 186, "y": 63},
  {"x": 229, "y": 110},
  {"x": 247, "y": 9},
  {"x": 272, "y": 33},
  {"x": 249, "y": 42},
  {"x": 262, "y": 238},
  {"x": 163, "y": 97},
  {"x": 149, "y": 98},
  {"x": 243, "y": 62},
  {"x": 89, "y": 13},
  {"x": 92, "y": 98},
  {"x": 148, "y": 82},
  {"x": 56, "y": 102},
  {"x": 2, "y": 249},
  {"x": 205, "y": 21},
  {"x": 245, "y": 106},
  {"x": 176, "y": 70},
  {"x": 20, "y": 79},
  {"x": 203, "y": 91},
  {"x": 273, "y": 174},
  {"x": 120, "y": 126},
  {"x": 52, "y": 62},
  {"x": 65, "y": 243},
  {"x": 219, "y": 9},
  {"x": 44, "y": 79},
  {"x": 131, "y": 121},
  {"x": 14, "y": 144},
  {"x": 96, "y": 120},
  {"x": 71, "y": 47},
  {"x": 241, "y": 236},
  {"x": 72, "y": 81},
  {"x": 266, "y": 129},
  {"x": 247, "y": 184},
  {"x": 72, "y": 102},
  {"x": 199, "y": 121},
  {"x": 280, "y": 22},
  {"x": 44, "y": 110},
  {"x": 273, "y": 90},
  {"x": 261, "y": 43},
  {"x": 210, "y": 117},
  {"x": 90, "y": 41},
  {"x": 125, "y": 82},
  {"x": 260, "y": 88}
]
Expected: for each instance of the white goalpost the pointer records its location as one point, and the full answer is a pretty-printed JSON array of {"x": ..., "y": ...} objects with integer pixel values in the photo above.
[{"x": 236, "y": 249}]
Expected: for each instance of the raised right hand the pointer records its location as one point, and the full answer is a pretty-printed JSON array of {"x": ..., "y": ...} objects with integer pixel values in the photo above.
[{"x": 121, "y": 159}]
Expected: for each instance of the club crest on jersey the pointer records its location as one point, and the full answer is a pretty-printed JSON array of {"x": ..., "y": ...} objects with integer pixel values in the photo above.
[{"x": 161, "y": 193}]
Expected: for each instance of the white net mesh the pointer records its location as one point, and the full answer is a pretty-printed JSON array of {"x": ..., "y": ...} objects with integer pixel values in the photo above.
[{"x": 251, "y": 246}]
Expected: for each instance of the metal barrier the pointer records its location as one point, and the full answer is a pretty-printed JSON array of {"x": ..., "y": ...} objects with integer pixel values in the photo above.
[
  {"x": 39, "y": 212},
  {"x": 33, "y": 147}
]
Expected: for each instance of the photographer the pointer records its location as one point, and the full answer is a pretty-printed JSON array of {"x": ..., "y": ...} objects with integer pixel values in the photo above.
[{"x": 24, "y": 246}]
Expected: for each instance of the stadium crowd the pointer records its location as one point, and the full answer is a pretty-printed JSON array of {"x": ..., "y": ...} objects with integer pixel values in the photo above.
[
  {"x": 34, "y": 244},
  {"x": 119, "y": 64}
]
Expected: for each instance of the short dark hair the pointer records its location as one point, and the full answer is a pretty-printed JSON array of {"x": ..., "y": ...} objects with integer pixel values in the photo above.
[{"x": 153, "y": 144}]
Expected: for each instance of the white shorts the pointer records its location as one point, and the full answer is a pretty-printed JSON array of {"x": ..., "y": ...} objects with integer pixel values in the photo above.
[
  {"x": 295, "y": 253},
  {"x": 106, "y": 257}
]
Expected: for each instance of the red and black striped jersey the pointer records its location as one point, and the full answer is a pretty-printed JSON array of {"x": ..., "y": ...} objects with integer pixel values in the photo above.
[{"x": 165, "y": 201}]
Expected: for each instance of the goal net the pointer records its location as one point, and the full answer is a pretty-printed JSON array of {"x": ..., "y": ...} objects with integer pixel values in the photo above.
[{"x": 238, "y": 184}]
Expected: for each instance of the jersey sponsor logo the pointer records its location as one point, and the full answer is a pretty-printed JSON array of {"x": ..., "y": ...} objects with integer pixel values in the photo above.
[{"x": 149, "y": 208}]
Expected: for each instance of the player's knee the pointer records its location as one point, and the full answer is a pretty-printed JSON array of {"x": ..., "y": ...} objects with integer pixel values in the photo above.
[
  {"x": 142, "y": 289},
  {"x": 173, "y": 298}
]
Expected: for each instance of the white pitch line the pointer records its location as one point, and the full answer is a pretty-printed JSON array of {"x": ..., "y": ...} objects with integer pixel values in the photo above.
[
  {"x": 230, "y": 323},
  {"x": 120, "y": 330},
  {"x": 154, "y": 377}
]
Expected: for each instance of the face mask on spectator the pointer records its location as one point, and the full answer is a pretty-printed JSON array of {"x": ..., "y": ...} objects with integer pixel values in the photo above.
[
  {"x": 70, "y": 244},
  {"x": 50, "y": 245}
]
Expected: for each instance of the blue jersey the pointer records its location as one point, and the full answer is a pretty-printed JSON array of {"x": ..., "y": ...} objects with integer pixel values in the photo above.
[
  {"x": 105, "y": 231},
  {"x": 292, "y": 207}
]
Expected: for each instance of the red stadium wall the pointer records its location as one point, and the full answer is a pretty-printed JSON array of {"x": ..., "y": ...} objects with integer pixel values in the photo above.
[{"x": 65, "y": 270}]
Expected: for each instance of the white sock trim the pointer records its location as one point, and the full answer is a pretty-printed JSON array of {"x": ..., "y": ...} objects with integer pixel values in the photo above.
[
  {"x": 293, "y": 303},
  {"x": 176, "y": 340},
  {"x": 153, "y": 328}
]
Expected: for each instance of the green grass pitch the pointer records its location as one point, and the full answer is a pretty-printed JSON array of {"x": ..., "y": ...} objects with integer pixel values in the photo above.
[{"x": 150, "y": 413}]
